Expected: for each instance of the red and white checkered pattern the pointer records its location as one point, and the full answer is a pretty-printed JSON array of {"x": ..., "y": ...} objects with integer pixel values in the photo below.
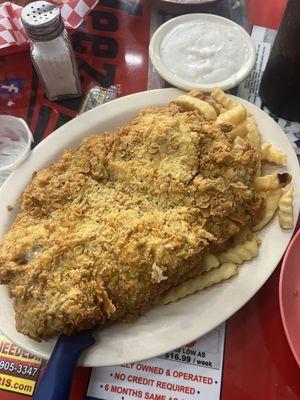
[{"x": 12, "y": 36}]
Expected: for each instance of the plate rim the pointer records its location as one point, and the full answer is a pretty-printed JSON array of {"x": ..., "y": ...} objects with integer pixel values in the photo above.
[{"x": 153, "y": 353}]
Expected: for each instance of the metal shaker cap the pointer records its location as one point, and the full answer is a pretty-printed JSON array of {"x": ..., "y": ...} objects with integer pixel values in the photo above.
[{"x": 42, "y": 21}]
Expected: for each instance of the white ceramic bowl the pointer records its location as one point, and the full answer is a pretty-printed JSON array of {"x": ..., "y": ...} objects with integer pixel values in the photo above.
[
  {"x": 15, "y": 141},
  {"x": 181, "y": 81}
]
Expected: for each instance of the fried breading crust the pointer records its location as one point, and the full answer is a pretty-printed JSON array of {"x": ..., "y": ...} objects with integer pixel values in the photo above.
[{"x": 160, "y": 192}]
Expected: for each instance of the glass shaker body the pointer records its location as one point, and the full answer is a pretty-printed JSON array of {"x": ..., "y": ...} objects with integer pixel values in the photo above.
[
  {"x": 51, "y": 50},
  {"x": 56, "y": 66},
  {"x": 280, "y": 85}
]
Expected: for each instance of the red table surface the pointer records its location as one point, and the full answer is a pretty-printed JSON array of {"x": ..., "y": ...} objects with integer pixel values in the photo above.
[{"x": 113, "y": 48}]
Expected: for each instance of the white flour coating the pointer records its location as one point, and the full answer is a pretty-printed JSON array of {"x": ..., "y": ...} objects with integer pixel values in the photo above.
[{"x": 157, "y": 274}]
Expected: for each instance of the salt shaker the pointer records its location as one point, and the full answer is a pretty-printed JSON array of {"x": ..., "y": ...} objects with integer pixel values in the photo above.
[{"x": 51, "y": 50}]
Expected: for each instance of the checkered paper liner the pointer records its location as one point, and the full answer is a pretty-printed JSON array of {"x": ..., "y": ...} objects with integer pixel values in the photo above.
[{"x": 12, "y": 36}]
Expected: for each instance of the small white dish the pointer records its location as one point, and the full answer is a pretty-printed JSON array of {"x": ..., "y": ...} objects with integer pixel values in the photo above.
[
  {"x": 15, "y": 142},
  {"x": 181, "y": 80}
]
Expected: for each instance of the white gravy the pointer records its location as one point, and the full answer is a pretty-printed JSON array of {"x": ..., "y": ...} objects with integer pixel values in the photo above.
[{"x": 203, "y": 52}]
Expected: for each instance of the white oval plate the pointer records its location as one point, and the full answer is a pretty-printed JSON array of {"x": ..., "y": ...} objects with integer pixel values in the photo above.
[
  {"x": 163, "y": 328},
  {"x": 180, "y": 81}
]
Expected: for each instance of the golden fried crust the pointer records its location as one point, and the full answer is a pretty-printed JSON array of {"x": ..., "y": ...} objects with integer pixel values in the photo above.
[{"x": 161, "y": 191}]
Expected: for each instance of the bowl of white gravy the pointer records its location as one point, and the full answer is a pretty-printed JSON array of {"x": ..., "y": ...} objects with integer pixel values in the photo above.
[
  {"x": 202, "y": 51},
  {"x": 15, "y": 144}
]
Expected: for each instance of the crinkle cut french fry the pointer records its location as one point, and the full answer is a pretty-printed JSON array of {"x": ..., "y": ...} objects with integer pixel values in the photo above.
[
  {"x": 272, "y": 155},
  {"x": 218, "y": 107},
  {"x": 235, "y": 116},
  {"x": 196, "y": 93},
  {"x": 239, "y": 142},
  {"x": 273, "y": 181},
  {"x": 226, "y": 101},
  {"x": 240, "y": 253},
  {"x": 272, "y": 202},
  {"x": 216, "y": 275},
  {"x": 240, "y": 130},
  {"x": 208, "y": 99},
  {"x": 253, "y": 135},
  {"x": 209, "y": 261},
  {"x": 243, "y": 235},
  {"x": 193, "y": 103},
  {"x": 286, "y": 214}
]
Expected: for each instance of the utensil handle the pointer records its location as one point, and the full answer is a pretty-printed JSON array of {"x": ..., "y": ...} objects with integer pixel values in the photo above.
[{"x": 57, "y": 380}]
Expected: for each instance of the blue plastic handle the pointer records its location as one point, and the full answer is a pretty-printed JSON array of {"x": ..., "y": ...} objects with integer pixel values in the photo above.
[{"x": 57, "y": 380}]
